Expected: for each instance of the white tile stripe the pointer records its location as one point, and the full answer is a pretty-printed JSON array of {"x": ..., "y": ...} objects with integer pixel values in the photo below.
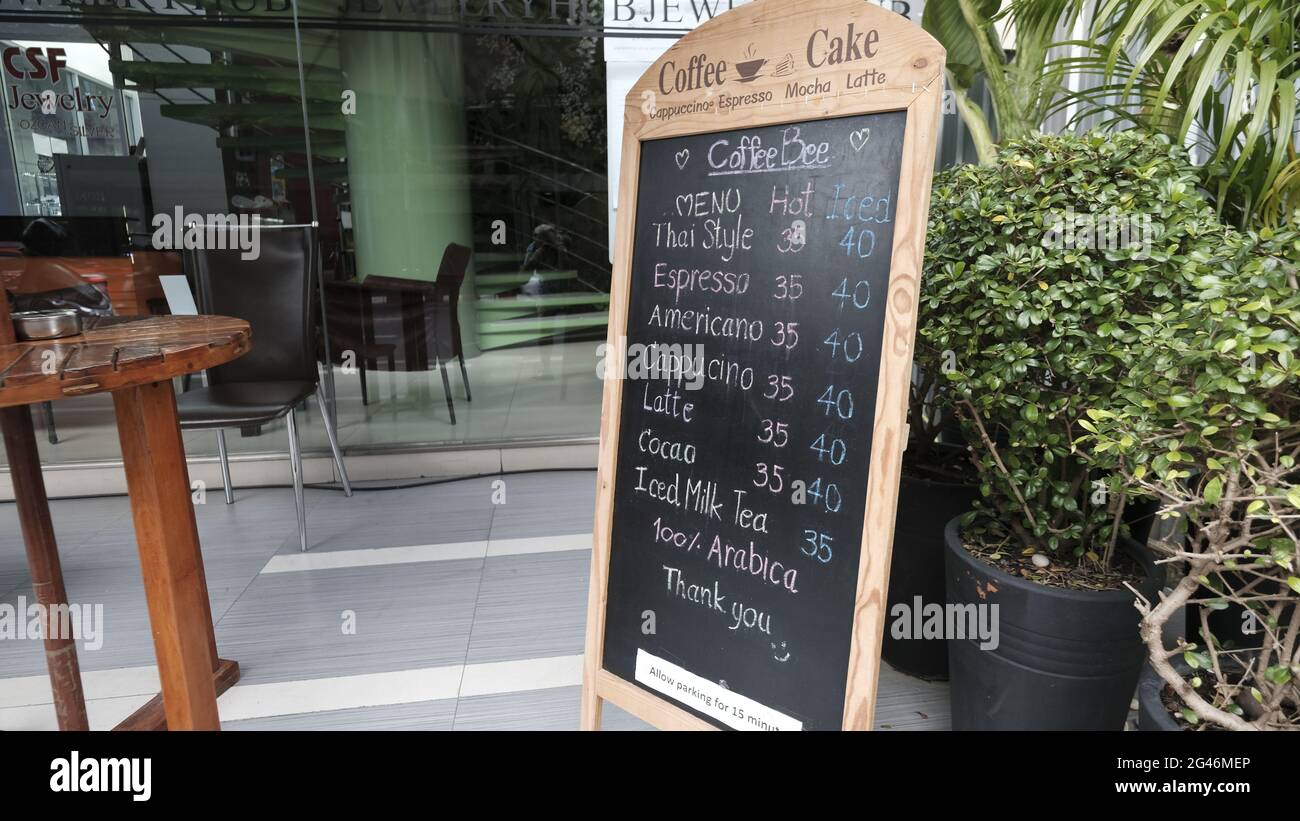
[
  {"x": 97, "y": 684},
  {"x": 335, "y": 559},
  {"x": 540, "y": 544},
  {"x": 371, "y": 557},
  {"x": 117, "y": 692},
  {"x": 284, "y": 698},
  {"x": 505, "y": 676}
]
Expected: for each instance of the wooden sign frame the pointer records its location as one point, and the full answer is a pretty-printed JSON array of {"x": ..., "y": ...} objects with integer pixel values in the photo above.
[{"x": 899, "y": 68}]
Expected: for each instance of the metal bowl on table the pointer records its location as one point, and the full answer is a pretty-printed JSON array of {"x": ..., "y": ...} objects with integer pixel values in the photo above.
[{"x": 32, "y": 326}]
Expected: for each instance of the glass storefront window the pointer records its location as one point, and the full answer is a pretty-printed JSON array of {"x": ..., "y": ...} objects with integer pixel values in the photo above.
[
  {"x": 458, "y": 159},
  {"x": 403, "y": 134}
]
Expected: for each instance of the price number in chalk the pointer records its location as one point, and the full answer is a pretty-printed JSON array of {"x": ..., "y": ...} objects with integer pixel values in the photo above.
[
  {"x": 771, "y": 477},
  {"x": 785, "y": 335},
  {"x": 825, "y": 494},
  {"x": 776, "y": 434},
  {"x": 859, "y": 294},
  {"x": 850, "y": 345},
  {"x": 779, "y": 387},
  {"x": 817, "y": 545},
  {"x": 788, "y": 287},
  {"x": 838, "y": 402},
  {"x": 859, "y": 242},
  {"x": 830, "y": 449}
]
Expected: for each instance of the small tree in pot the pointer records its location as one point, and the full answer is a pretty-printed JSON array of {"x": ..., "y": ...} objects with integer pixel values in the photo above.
[
  {"x": 1208, "y": 425},
  {"x": 1037, "y": 258}
]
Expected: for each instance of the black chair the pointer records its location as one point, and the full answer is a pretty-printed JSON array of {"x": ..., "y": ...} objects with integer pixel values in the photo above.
[
  {"x": 446, "y": 316},
  {"x": 352, "y": 331},
  {"x": 276, "y": 294},
  {"x": 433, "y": 305}
]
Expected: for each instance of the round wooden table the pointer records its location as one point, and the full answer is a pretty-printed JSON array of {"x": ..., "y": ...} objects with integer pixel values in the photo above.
[{"x": 135, "y": 359}]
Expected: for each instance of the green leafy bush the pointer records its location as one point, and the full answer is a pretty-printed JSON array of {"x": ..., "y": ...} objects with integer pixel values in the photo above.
[
  {"x": 1020, "y": 310},
  {"x": 1207, "y": 421}
]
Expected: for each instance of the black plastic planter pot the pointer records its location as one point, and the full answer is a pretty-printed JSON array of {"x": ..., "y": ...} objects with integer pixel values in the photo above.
[
  {"x": 1064, "y": 659},
  {"x": 1152, "y": 715},
  {"x": 916, "y": 574}
]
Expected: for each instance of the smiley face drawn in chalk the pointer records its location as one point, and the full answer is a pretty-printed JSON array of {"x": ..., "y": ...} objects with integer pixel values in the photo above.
[{"x": 782, "y": 653}]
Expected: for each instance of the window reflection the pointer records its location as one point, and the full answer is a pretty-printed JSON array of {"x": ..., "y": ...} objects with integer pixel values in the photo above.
[{"x": 453, "y": 161}]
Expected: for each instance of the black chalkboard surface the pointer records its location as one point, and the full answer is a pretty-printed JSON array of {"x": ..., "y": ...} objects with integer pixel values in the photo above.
[{"x": 759, "y": 268}]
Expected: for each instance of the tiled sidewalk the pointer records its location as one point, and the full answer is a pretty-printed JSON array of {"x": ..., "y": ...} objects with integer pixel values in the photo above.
[{"x": 423, "y": 608}]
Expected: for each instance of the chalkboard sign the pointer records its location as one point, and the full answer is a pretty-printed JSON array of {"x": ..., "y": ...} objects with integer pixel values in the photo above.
[{"x": 769, "y": 239}]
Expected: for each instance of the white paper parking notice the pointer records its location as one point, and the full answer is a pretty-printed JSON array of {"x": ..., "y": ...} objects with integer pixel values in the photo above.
[{"x": 711, "y": 699}]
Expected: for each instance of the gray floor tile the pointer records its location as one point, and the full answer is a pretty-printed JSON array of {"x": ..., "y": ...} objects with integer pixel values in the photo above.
[
  {"x": 289, "y": 626},
  {"x": 435, "y": 514},
  {"x": 531, "y": 606},
  {"x": 421, "y": 715},
  {"x": 546, "y": 504}
]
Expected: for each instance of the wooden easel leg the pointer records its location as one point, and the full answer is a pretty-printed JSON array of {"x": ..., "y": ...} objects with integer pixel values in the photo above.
[
  {"x": 43, "y": 563},
  {"x": 592, "y": 706},
  {"x": 174, "y": 584}
]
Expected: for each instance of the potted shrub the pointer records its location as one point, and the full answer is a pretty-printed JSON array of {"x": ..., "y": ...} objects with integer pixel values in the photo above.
[
  {"x": 1024, "y": 307},
  {"x": 1209, "y": 424}
]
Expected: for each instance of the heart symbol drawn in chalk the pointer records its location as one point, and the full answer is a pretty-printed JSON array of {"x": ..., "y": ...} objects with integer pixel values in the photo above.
[
  {"x": 683, "y": 157},
  {"x": 859, "y": 138}
]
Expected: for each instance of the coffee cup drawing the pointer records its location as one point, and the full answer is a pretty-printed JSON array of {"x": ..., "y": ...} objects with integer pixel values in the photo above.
[{"x": 749, "y": 69}]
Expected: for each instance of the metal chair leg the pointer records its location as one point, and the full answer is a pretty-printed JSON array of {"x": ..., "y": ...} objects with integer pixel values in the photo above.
[
  {"x": 464, "y": 378},
  {"x": 334, "y": 444},
  {"x": 392, "y": 379},
  {"x": 48, "y": 409},
  {"x": 225, "y": 467},
  {"x": 446, "y": 388},
  {"x": 324, "y": 383},
  {"x": 295, "y": 464}
]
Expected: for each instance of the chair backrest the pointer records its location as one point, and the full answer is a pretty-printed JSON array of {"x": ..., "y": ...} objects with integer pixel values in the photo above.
[
  {"x": 274, "y": 293},
  {"x": 446, "y": 298},
  {"x": 451, "y": 271},
  {"x": 345, "y": 315}
]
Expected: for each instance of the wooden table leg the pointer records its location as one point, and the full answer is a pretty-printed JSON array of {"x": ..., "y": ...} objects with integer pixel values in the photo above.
[
  {"x": 150, "y": 716},
  {"x": 174, "y": 585},
  {"x": 43, "y": 562}
]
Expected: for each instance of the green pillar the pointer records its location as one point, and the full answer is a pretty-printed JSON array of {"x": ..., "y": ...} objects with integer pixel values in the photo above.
[{"x": 407, "y": 170}]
